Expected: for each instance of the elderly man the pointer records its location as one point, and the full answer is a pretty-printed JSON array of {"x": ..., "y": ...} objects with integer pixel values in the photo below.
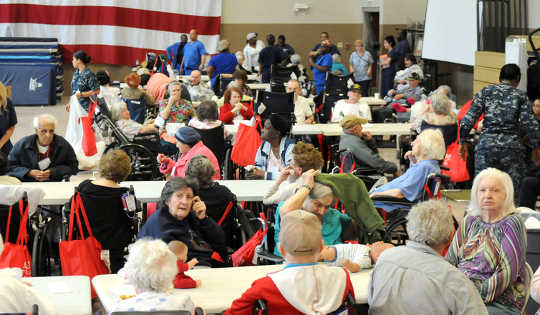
[
  {"x": 415, "y": 279},
  {"x": 400, "y": 99},
  {"x": 302, "y": 105},
  {"x": 198, "y": 90},
  {"x": 352, "y": 105},
  {"x": 194, "y": 54},
  {"x": 363, "y": 146},
  {"x": 43, "y": 156},
  {"x": 223, "y": 62}
]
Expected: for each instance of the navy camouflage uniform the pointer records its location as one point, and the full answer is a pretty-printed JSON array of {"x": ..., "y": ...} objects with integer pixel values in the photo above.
[
  {"x": 84, "y": 81},
  {"x": 508, "y": 114}
]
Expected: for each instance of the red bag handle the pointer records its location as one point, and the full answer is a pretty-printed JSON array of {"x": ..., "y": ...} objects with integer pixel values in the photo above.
[
  {"x": 226, "y": 213},
  {"x": 22, "y": 224},
  {"x": 77, "y": 208},
  {"x": 22, "y": 238}
]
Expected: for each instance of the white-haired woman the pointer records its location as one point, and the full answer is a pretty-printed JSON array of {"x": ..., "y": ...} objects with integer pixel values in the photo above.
[
  {"x": 120, "y": 116},
  {"x": 151, "y": 268},
  {"x": 175, "y": 109},
  {"x": 317, "y": 199},
  {"x": 490, "y": 245},
  {"x": 427, "y": 150},
  {"x": 441, "y": 117}
]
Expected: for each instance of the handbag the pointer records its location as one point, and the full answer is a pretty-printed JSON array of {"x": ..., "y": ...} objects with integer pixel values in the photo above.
[
  {"x": 246, "y": 143},
  {"x": 244, "y": 255},
  {"x": 457, "y": 166},
  {"x": 88, "y": 138},
  {"x": 81, "y": 256},
  {"x": 16, "y": 255}
]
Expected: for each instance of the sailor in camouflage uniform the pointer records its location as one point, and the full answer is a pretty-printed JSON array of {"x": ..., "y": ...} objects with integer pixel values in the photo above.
[{"x": 508, "y": 114}]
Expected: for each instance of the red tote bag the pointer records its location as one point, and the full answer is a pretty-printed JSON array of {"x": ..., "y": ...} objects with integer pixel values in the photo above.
[
  {"x": 89, "y": 138},
  {"x": 81, "y": 257},
  {"x": 244, "y": 255},
  {"x": 16, "y": 255},
  {"x": 246, "y": 143},
  {"x": 458, "y": 171}
]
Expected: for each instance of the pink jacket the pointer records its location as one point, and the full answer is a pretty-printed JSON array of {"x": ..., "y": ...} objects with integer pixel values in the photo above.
[{"x": 179, "y": 168}]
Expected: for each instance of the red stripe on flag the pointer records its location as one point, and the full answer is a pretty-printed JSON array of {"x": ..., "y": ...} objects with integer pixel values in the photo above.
[
  {"x": 108, "y": 54},
  {"x": 104, "y": 15}
]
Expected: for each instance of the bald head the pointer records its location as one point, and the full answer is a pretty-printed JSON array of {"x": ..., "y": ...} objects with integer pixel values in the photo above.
[
  {"x": 195, "y": 77},
  {"x": 193, "y": 35},
  {"x": 293, "y": 86}
]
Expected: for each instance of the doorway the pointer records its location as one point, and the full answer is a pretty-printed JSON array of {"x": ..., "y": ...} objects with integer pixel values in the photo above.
[{"x": 372, "y": 43}]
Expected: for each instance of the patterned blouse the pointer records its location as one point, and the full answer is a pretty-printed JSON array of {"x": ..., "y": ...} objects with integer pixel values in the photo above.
[
  {"x": 180, "y": 113},
  {"x": 492, "y": 255},
  {"x": 84, "y": 81}
]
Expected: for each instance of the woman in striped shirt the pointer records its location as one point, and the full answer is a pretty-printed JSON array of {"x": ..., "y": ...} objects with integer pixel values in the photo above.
[{"x": 490, "y": 245}]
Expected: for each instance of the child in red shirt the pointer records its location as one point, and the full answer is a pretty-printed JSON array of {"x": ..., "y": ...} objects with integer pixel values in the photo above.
[{"x": 183, "y": 281}]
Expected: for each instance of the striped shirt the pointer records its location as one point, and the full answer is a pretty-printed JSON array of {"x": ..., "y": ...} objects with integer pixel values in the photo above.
[{"x": 492, "y": 255}]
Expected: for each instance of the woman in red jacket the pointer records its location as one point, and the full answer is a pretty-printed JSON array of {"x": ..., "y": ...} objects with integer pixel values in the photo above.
[{"x": 233, "y": 109}]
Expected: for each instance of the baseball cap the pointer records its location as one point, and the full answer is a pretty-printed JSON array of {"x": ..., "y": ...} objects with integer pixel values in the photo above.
[
  {"x": 300, "y": 233},
  {"x": 349, "y": 121},
  {"x": 413, "y": 76},
  {"x": 356, "y": 88}
]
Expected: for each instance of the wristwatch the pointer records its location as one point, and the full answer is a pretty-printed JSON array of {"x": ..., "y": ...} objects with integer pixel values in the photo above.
[{"x": 306, "y": 186}]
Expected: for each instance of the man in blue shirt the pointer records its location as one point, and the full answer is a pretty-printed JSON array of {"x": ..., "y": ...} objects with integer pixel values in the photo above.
[
  {"x": 194, "y": 54},
  {"x": 267, "y": 57},
  {"x": 325, "y": 37},
  {"x": 224, "y": 62},
  {"x": 175, "y": 52},
  {"x": 321, "y": 63}
]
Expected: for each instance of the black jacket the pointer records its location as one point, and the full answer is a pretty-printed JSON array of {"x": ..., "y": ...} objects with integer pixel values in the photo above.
[
  {"x": 24, "y": 157},
  {"x": 191, "y": 231}
]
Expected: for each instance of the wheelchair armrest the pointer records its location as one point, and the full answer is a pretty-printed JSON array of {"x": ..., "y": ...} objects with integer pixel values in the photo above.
[
  {"x": 264, "y": 254},
  {"x": 393, "y": 200}
]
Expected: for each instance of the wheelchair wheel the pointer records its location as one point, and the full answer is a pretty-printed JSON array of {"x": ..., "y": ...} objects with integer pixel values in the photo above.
[
  {"x": 41, "y": 253},
  {"x": 143, "y": 162},
  {"x": 228, "y": 165}
]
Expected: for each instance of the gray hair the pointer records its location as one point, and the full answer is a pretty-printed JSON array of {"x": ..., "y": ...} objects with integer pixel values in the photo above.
[
  {"x": 43, "y": 118},
  {"x": 440, "y": 104},
  {"x": 201, "y": 168},
  {"x": 207, "y": 110},
  {"x": 430, "y": 223},
  {"x": 336, "y": 58},
  {"x": 447, "y": 89},
  {"x": 296, "y": 59},
  {"x": 173, "y": 83},
  {"x": 150, "y": 266},
  {"x": 504, "y": 179},
  {"x": 320, "y": 191},
  {"x": 116, "y": 111},
  {"x": 175, "y": 184},
  {"x": 432, "y": 142}
]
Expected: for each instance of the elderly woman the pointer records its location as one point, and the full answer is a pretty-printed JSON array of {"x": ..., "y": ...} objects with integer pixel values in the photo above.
[
  {"x": 440, "y": 117},
  {"x": 182, "y": 216},
  {"x": 410, "y": 67},
  {"x": 121, "y": 117},
  {"x": 207, "y": 116},
  {"x": 315, "y": 198},
  {"x": 102, "y": 199},
  {"x": 337, "y": 66},
  {"x": 216, "y": 197},
  {"x": 275, "y": 153},
  {"x": 305, "y": 157},
  {"x": 233, "y": 108},
  {"x": 432, "y": 286},
  {"x": 427, "y": 150},
  {"x": 84, "y": 83},
  {"x": 151, "y": 268},
  {"x": 240, "y": 81},
  {"x": 189, "y": 144},
  {"x": 490, "y": 245},
  {"x": 363, "y": 146},
  {"x": 8, "y": 120},
  {"x": 361, "y": 65},
  {"x": 175, "y": 109}
]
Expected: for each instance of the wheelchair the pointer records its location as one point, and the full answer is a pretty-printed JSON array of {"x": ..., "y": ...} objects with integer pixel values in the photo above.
[
  {"x": 396, "y": 220},
  {"x": 344, "y": 161},
  {"x": 215, "y": 140},
  {"x": 142, "y": 150},
  {"x": 280, "y": 76},
  {"x": 221, "y": 83},
  {"x": 335, "y": 89}
]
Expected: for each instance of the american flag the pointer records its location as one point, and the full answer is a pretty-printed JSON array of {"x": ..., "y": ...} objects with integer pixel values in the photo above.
[{"x": 112, "y": 31}]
